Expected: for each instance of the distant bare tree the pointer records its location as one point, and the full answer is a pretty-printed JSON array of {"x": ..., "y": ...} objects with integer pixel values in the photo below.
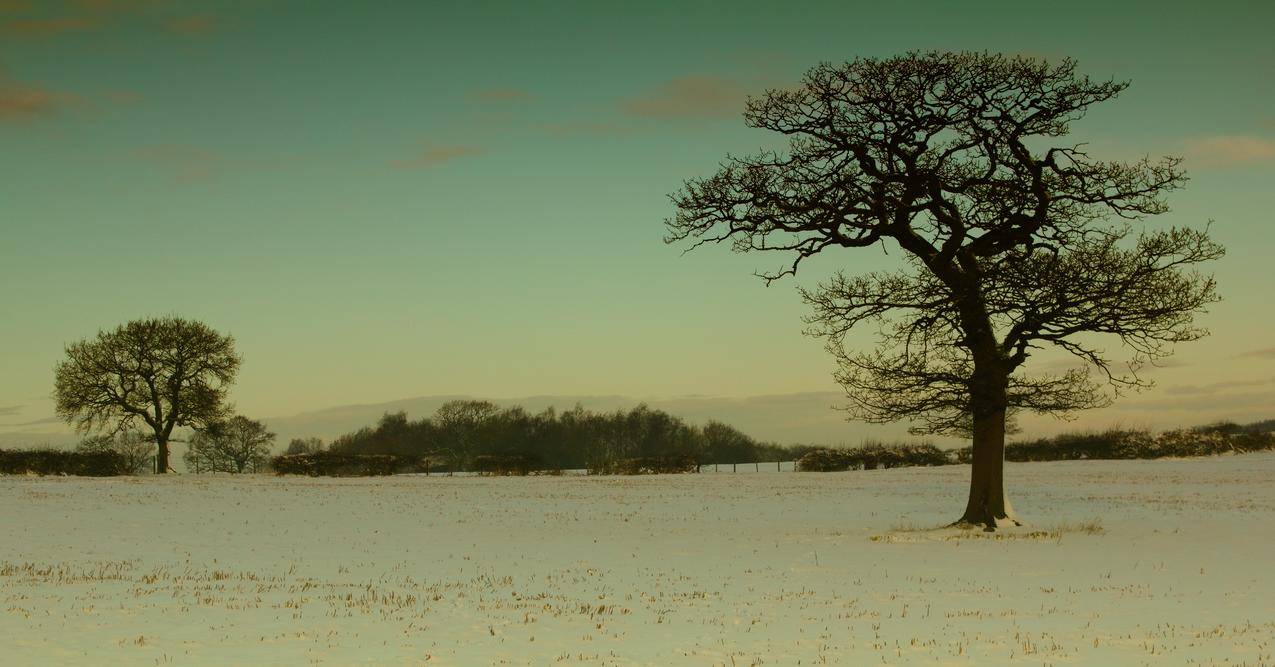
[
  {"x": 165, "y": 373},
  {"x": 304, "y": 446},
  {"x": 137, "y": 448},
  {"x": 1007, "y": 245},
  {"x": 726, "y": 444},
  {"x": 461, "y": 421},
  {"x": 234, "y": 445}
]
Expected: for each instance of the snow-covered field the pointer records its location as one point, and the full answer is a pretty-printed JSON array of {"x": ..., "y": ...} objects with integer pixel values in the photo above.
[{"x": 1124, "y": 563}]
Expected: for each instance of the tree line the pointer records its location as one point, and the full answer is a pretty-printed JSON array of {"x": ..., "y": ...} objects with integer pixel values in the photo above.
[{"x": 473, "y": 435}]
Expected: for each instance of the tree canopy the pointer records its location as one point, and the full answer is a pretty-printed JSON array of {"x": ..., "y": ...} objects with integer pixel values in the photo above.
[{"x": 164, "y": 373}]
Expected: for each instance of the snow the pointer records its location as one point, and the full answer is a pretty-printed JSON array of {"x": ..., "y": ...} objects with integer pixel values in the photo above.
[{"x": 1129, "y": 563}]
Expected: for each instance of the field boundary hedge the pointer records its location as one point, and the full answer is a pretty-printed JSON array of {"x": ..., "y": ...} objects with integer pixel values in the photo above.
[
  {"x": 647, "y": 465},
  {"x": 330, "y": 464},
  {"x": 1110, "y": 445},
  {"x": 62, "y": 462},
  {"x": 873, "y": 456}
]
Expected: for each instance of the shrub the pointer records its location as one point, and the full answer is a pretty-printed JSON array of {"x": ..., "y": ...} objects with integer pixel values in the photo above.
[
  {"x": 61, "y": 462},
  {"x": 647, "y": 465},
  {"x": 872, "y": 456},
  {"x": 329, "y": 464},
  {"x": 1254, "y": 441},
  {"x": 826, "y": 460},
  {"x": 136, "y": 448},
  {"x": 521, "y": 463}
]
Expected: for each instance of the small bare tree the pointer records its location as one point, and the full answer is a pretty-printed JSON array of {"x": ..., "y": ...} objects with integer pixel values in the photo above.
[
  {"x": 135, "y": 447},
  {"x": 1009, "y": 244},
  {"x": 235, "y": 446},
  {"x": 461, "y": 421},
  {"x": 164, "y": 373},
  {"x": 304, "y": 446}
]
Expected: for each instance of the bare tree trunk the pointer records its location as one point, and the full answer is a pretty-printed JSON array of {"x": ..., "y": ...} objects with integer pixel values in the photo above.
[
  {"x": 161, "y": 455},
  {"x": 987, "y": 505}
]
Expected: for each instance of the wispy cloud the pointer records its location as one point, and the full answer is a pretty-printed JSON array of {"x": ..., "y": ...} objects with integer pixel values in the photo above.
[
  {"x": 587, "y": 128},
  {"x": 1229, "y": 151},
  {"x": 186, "y": 164},
  {"x": 21, "y": 101},
  {"x": 689, "y": 98},
  {"x": 1263, "y": 353},
  {"x": 1214, "y": 388},
  {"x": 502, "y": 96},
  {"x": 433, "y": 156},
  {"x": 193, "y": 26},
  {"x": 8, "y": 410},
  {"x": 39, "y": 422},
  {"x": 24, "y": 102},
  {"x": 1209, "y": 402},
  {"x": 124, "y": 98},
  {"x": 92, "y": 15},
  {"x": 116, "y": 6},
  {"x": 36, "y": 28}
]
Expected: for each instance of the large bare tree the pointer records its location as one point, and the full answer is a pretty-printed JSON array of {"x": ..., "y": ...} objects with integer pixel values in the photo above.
[
  {"x": 1011, "y": 242},
  {"x": 165, "y": 373}
]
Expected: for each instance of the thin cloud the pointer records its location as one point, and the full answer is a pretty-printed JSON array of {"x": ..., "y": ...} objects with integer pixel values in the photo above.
[
  {"x": 690, "y": 98},
  {"x": 433, "y": 156},
  {"x": 586, "y": 128},
  {"x": 502, "y": 96},
  {"x": 20, "y": 101},
  {"x": 24, "y": 102},
  {"x": 193, "y": 26},
  {"x": 8, "y": 410},
  {"x": 1263, "y": 353},
  {"x": 1229, "y": 151},
  {"x": 93, "y": 15},
  {"x": 36, "y": 28},
  {"x": 1200, "y": 402},
  {"x": 124, "y": 98},
  {"x": 116, "y": 6},
  {"x": 39, "y": 422},
  {"x": 1214, "y": 388},
  {"x": 186, "y": 164},
  {"x": 1161, "y": 364}
]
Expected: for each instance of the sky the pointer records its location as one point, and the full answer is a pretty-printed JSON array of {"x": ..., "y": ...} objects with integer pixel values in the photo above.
[{"x": 395, "y": 199}]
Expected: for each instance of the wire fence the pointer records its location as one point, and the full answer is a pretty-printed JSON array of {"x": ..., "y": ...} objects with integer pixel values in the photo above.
[{"x": 753, "y": 467}]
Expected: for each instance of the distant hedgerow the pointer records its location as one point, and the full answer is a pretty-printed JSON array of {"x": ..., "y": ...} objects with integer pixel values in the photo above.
[
  {"x": 1135, "y": 444},
  {"x": 521, "y": 463},
  {"x": 62, "y": 462},
  {"x": 872, "y": 456},
  {"x": 330, "y": 464},
  {"x": 647, "y": 465}
]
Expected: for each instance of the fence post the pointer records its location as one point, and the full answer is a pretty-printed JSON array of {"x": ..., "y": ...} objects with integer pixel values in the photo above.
[{"x": 734, "y": 467}]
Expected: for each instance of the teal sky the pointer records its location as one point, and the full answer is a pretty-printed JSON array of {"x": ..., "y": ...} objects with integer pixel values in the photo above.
[{"x": 390, "y": 199}]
